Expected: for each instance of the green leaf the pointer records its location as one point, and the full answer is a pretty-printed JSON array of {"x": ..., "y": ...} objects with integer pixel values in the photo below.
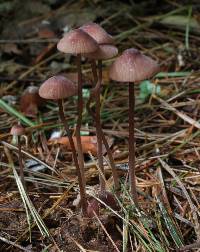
[
  {"x": 9, "y": 109},
  {"x": 147, "y": 88}
]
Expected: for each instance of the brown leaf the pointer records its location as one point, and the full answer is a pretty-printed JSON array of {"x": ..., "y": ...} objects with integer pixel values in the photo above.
[
  {"x": 89, "y": 143},
  {"x": 30, "y": 101},
  {"x": 46, "y": 32},
  {"x": 11, "y": 48}
]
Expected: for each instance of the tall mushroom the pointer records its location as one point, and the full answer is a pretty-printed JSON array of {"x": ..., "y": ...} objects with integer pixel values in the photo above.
[
  {"x": 78, "y": 42},
  {"x": 57, "y": 88},
  {"x": 105, "y": 51},
  {"x": 18, "y": 130},
  {"x": 132, "y": 67}
]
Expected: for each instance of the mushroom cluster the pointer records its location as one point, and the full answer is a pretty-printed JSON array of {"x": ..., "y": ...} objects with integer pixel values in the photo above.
[{"x": 93, "y": 43}]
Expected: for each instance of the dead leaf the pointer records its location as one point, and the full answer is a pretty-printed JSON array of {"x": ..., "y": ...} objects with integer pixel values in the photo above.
[
  {"x": 89, "y": 143},
  {"x": 30, "y": 101},
  {"x": 46, "y": 32},
  {"x": 11, "y": 48}
]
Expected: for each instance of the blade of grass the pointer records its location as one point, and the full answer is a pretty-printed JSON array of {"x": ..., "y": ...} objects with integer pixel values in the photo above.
[
  {"x": 192, "y": 206},
  {"x": 26, "y": 200},
  {"x": 12, "y": 147},
  {"x": 125, "y": 233},
  {"x": 172, "y": 74},
  {"x": 170, "y": 224},
  {"x": 9, "y": 109},
  {"x": 187, "y": 30}
]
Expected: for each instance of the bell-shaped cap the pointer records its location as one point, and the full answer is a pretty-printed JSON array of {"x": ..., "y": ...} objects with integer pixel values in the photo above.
[
  {"x": 97, "y": 33},
  {"x": 133, "y": 66},
  {"x": 104, "y": 52},
  {"x": 17, "y": 130},
  {"x": 77, "y": 42},
  {"x": 57, "y": 87}
]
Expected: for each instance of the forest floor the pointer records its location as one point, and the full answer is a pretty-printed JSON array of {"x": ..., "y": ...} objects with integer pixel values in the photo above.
[{"x": 46, "y": 216}]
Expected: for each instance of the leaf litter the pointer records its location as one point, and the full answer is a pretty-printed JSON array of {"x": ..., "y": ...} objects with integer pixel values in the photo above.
[{"x": 167, "y": 131}]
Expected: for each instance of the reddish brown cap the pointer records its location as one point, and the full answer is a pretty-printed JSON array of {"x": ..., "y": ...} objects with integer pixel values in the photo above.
[
  {"x": 97, "y": 33},
  {"x": 133, "y": 66},
  {"x": 77, "y": 42},
  {"x": 57, "y": 87},
  {"x": 104, "y": 52},
  {"x": 17, "y": 130}
]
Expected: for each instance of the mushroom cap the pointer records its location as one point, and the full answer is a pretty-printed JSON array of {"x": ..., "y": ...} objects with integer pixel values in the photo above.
[
  {"x": 97, "y": 33},
  {"x": 133, "y": 66},
  {"x": 57, "y": 87},
  {"x": 77, "y": 42},
  {"x": 104, "y": 52},
  {"x": 17, "y": 130}
]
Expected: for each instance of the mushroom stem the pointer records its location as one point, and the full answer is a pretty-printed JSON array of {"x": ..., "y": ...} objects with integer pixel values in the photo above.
[
  {"x": 94, "y": 72},
  {"x": 131, "y": 161},
  {"x": 105, "y": 142},
  {"x": 21, "y": 168},
  {"x": 112, "y": 163},
  {"x": 80, "y": 179},
  {"x": 79, "y": 120},
  {"x": 98, "y": 130}
]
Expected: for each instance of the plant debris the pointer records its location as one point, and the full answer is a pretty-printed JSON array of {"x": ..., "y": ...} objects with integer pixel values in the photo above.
[{"x": 43, "y": 216}]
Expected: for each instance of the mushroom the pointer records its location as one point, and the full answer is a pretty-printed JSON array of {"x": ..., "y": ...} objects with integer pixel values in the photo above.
[
  {"x": 77, "y": 42},
  {"x": 132, "y": 67},
  {"x": 57, "y": 88},
  {"x": 97, "y": 33},
  {"x": 104, "y": 52},
  {"x": 18, "y": 130}
]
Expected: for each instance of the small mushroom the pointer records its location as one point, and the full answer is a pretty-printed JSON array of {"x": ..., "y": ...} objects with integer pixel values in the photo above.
[
  {"x": 105, "y": 51},
  {"x": 77, "y": 42},
  {"x": 18, "y": 130},
  {"x": 132, "y": 67},
  {"x": 57, "y": 88},
  {"x": 97, "y": 33}
]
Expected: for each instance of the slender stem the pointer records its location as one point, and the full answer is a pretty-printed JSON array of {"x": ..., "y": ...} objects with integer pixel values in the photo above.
[
  {"x": 105, "y": 142},
  {"x": 112, "y": 163},
  {"x": 99, "y": 131},
  {"x": 79, "y": 120},
  {"x": 21, "y": 168},
  {"x": 94, "y": 71},
  {"x": 95, "y": 80},
  {"x": 131, "y": 162},
  {"x": 80, "y": 179}
]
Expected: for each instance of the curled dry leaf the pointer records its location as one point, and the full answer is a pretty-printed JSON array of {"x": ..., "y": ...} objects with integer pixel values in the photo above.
[
  {"x": 11, "y": 48},
  {"x": 89, "y": 143},
  {"x": 92, "y": 208},
  {"x": 46, "y": 32},
  {"x": 30, "y": 101},
  {"x": 109, "y": 199}
]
